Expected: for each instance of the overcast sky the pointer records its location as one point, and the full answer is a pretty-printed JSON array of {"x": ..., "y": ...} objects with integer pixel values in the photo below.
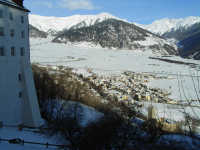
[{"x": 140, "y": 11}]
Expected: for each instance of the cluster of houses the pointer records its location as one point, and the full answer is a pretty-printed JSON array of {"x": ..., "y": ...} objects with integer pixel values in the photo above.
[{"x": 131, "y": 87}]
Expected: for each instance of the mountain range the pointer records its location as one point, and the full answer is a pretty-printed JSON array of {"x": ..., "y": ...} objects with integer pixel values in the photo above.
[
  {"x": 185, "y": 32},
  {"x": 53, "y": 25},
  {"x": 62, "y": 27},
  {"x": 167, "y": 25}
]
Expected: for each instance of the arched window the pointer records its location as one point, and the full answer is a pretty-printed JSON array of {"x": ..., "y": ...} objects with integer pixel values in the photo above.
[
  {"x": 12, "y": 32},
  {"x": 23, "y": 34},
  {"x": 20, "y": 94},
  {"x": 22, "y": 19},
  {"x": 1, "y": 13},
  {"x": 2, "y": 52},
  {"x": 1, "y": 31},
  {"x": 12, "y": 51},
  {"x": 19, "y": 77},
  {"x": 11, "y": 16},
  {"x": 22, "y": 51}
]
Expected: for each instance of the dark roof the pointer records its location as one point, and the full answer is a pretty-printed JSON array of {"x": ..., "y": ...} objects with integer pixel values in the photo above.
[{"x": 14, "y": 5}]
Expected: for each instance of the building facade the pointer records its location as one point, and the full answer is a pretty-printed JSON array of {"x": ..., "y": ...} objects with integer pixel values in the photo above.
[{"x": 18, "y": 100}]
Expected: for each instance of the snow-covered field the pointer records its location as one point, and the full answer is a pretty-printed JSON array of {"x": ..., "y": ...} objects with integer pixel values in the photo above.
[{"x": 109, "y": 62}]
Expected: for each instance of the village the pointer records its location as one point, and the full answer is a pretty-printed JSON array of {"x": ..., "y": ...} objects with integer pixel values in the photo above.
[{"x": 130, "y": 87}]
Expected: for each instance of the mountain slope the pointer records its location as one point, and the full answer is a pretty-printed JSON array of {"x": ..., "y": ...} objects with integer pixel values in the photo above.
[
  {"x": 36, "y": 33},
  {"x": 55, "y": 24},
  {"x": 118, "y": 34},
  {"x": 191, "y": 47},
  {"x": 183, "y": 33}
]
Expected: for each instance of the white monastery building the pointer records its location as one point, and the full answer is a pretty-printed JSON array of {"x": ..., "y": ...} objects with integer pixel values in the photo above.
[{"x": 18, "y": 100}]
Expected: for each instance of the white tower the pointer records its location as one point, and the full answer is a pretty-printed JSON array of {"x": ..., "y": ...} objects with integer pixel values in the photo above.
[{"x": 18, "y": 100}]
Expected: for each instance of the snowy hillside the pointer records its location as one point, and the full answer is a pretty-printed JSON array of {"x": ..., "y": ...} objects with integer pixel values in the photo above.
[
  {"x": 166, "y": 25},
  {"x": 55, "y": 24}
]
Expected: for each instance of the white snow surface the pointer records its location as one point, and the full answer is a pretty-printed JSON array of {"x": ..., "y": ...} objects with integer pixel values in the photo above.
[
  {"x": 71, "y": 109},
  {"x": 154, "y": 40},
  {"x": 51, "y": 23},
  {"x": 166, "y": 25}
]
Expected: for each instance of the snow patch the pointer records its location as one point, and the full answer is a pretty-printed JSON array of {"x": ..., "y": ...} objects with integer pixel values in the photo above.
[{"x": 62, "y": 108}]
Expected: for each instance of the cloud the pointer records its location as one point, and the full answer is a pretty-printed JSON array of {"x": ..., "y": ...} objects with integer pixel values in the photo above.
[{"x": 77, "y": 4}]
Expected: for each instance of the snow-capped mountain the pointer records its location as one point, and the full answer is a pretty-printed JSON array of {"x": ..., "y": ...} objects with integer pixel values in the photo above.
[
  {"x": 183, "y": 33},
  {"x": 117, "y": 34},
  {"x": 101, "y": 30},
  {"x": 56, "y": 24},
  {"x": 167, "y": 25}
]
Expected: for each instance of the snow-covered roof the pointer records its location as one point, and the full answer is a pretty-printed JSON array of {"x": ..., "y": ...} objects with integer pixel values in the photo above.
[{"x": 13, "y": 4}]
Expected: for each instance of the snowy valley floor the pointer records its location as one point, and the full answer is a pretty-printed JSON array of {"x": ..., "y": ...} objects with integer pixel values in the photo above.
[{"x": 181, "y": 80}]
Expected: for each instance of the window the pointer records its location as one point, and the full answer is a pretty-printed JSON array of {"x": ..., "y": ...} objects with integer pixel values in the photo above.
[
  {"x": 2, "y": 52},
  {"x": 22, "y": 19},
  {"x": 20, "y": 94},
  {"x": 12, "y": 32},
  {"x": 19, "y": 77},
  {"x": 11, "y": 16},
  {"x": 12, "y": 51},
  {"x": 22, "y": 51},
  {"x": 22, "y": 34},
  {"x": 1, "y": 31},
  {"x": 1, "y": 13}
]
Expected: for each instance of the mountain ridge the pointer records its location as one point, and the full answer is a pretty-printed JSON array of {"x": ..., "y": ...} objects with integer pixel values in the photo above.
[
  {"x": 56, "y": 24},
  {"x": 118, "y": 34},
  {"x": 162, "y": 27}
]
